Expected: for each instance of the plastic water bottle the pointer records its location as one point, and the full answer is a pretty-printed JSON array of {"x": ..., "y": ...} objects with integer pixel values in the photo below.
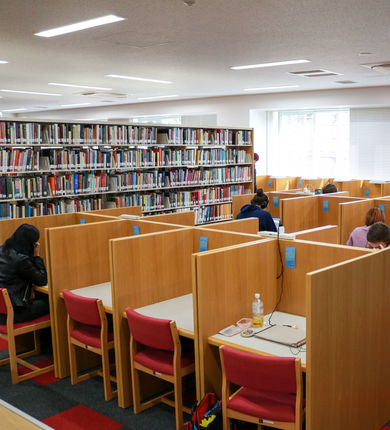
[{"x": 257, "y": 312}]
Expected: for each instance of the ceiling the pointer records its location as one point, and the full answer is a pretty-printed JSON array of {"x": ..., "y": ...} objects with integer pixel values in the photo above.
[{"x": 192, "y": 46}]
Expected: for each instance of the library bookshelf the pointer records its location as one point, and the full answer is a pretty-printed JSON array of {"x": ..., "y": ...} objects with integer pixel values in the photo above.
[{"x": 58, "y": 167}]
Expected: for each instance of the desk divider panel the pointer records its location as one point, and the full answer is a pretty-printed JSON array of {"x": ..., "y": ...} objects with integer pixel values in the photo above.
[
  {"x": 265, "y": 182},
  {"x": 239, "y": 201},
  {"x": 186, "y": 218},
  {"x": 133, "y": 210},
  {"x": 8, "y": 226},
  {"x": 149, "y": 269},
  {"x": 245, "y": 225},
  {"x": 312, "y": 183},
  {"x": 299, "y": 213},
  {"x": 325, "y": 233},
  {"x": 224, "y": 284},
  {"x": 274, "y": 200},
  {"x": 353, "y": 187},
  {"x": 328, "y": 212},
  {"x": 309, "y": 256},
  {"x": 79, "y": 257},
  {"x": 348, "y": 354},
  {"x": 384, "y": 205},
  {"x": 351, "y": 215}
]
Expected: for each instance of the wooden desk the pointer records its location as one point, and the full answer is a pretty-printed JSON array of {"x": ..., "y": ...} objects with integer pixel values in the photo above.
[
  {"x": 15, "y": 419},
  {"x": 178, "y": 309},
  {"x": 43, "y": 289},
  {"x": 98, "y": 291},
  {"x": 254, "y": 344}
]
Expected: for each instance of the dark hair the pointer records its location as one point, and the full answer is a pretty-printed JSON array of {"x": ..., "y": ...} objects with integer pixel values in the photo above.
[
  {"x": 256, "y": 157},
  {"x": 23, "y": 239},
  {"x": 329, "y": 188},
  {"x": 260, "y": 199},
  {"x": 374, "y": 215},
  {"x": 379, "y": 232}
]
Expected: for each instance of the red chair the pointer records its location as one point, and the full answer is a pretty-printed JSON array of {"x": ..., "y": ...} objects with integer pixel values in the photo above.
[
  {"x": 270, "y": 390},
  {"x": 88, "y": 329},
  {"x": 10, "y": 331},
  {"x": 155, "y": 349}
]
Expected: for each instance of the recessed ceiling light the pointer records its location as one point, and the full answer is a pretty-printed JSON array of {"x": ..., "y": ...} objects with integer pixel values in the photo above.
[
  {"x": 76, "y": 104},
  {"x": 277, "y": 63},
  {"x": 271, "y": 88},
  {"x": 3, "y": 62},
  {"x": 108, "y": 19},
  {"x": 365, "y": 54},
  {"x": 31, "y": 92},
  {"x": 79, "y": 86},
  {"x": 157, "y": 97},
  {"x": 13, "y": 110},
  {"x": 135, "y": 78}
]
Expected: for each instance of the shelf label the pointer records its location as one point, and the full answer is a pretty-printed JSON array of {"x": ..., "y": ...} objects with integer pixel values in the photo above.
[
  {"x": 325, "y": 205},
  {"x": 290, "y": 257},
  {"x": 203, "y": 243}
]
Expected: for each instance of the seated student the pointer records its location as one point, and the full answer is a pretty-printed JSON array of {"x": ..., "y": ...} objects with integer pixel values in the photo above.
[
  {"x": 329, "y": 188},
  {"x": 378, "y": 236},
  {"x": 21, "y": 267},
  {"x": 255, "y": 210},
  {"x": 358, "y": 236}
]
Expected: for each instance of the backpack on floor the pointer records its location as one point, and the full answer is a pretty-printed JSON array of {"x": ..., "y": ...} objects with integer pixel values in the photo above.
[{"x": 207, "y": 414}]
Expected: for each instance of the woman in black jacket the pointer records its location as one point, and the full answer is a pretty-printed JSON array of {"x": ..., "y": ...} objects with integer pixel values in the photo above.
[{"x": 21, "y": 267}]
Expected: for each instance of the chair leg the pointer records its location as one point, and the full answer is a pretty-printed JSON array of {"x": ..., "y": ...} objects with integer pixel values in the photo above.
[
  {"x": 136, "y": 390},
  {"x": 178, "y": 402},
  {"x": 225, "y": 419},
  {"x": 12, "y": 360},
  {"x": 106, "y": 374},
  {"x": 37, "y": 342},
  {"x": 72, "y": 363}
]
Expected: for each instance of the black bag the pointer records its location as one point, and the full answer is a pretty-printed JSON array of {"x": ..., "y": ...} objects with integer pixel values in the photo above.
[{"x": 207, "y": 414}]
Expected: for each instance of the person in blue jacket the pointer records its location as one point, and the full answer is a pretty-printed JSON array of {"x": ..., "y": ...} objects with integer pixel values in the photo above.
[{"x": 256, "y": 210}]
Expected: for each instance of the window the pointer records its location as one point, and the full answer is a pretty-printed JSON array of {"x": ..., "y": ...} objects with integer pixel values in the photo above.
[{"x": 307, "y": 143}]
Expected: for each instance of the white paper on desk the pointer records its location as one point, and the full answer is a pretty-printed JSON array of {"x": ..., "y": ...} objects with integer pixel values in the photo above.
[{"x": 284, "y": 335}]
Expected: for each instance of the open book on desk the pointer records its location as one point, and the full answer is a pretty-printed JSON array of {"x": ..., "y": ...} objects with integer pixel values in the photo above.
[{"x": 284, "y": 335}]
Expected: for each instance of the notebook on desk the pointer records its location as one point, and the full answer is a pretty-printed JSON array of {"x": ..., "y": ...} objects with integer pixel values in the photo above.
[{"x": 284, "y": 335}]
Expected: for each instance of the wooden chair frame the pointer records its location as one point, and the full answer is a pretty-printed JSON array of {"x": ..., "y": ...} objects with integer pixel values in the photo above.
[
  {"x": 14, "y": 358},
  {"x": 103, "y": 351},
  {"x": 175, "y": 379},
  {"x": 229, "y": 413}
]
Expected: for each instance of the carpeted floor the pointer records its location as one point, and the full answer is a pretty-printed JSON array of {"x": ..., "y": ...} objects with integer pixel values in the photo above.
[{"x": 63, "y": 406}]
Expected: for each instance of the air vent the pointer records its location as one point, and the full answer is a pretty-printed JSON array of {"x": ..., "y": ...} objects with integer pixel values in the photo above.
[
  {"x": 345, "y": 82},
  {"x": 314, "y": 73},
  {"x": 383, "y": 67},
  {"x": 99, "y": 94}
]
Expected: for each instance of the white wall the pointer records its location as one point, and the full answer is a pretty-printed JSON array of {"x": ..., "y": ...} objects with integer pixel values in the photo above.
[{"x": 233, "y": 111}]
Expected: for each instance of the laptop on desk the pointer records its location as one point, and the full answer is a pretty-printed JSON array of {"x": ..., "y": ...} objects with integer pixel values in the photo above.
[{"x": 284, "y": 335}]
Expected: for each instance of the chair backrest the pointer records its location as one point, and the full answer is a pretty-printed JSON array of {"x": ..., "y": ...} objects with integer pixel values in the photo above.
[
  {"x": 152, "y": 332},
  {"x": 82, "y": 309},
  {"x": 3, "y": 304},
  {"x": 259, "y": 372}
]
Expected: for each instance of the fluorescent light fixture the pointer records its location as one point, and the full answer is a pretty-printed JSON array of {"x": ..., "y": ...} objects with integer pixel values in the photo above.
[
  {"x": 277, "y": 63},
  {"x": 3, "y": 62},
  {"x": 271, "y": 88},
  {"x": 31, "y": 92},
  {"x": 14, "y": 110},
  {"x": 80, "y": 86},
  {"x": 76, "y": 104},
  {"x": 135, "y": 78},
  {"x": 108, "y": 19},
  {"x": 157, "y": 97}
]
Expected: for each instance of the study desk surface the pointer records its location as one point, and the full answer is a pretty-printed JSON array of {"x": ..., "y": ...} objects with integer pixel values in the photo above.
[
  {"x": 179, "y": 309},
  {"x": 264, "y": 346},
  {"x": 98, "y": 291}
]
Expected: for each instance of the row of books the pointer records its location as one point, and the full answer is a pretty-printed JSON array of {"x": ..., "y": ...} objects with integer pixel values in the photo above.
[
  {"x": 13, "y": 132},
  {"x": 215, "y": 213},
  {"x": 178, "y": 178},
  {"x": 28, "y": 209},
  {"x": 50, "y": 186},
  {"x": 199, "y": 136},
  {"x": 33, "y": 133},
  {"x": 15, "y": 160},
  {"x": 178, "y": 199}
]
